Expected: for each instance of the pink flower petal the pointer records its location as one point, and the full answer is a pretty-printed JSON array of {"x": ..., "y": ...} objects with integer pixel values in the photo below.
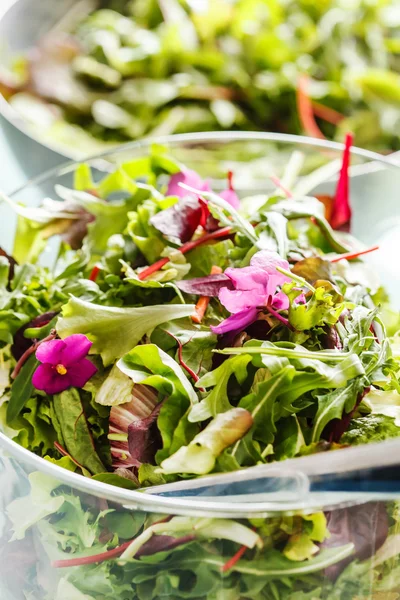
[
  {"x": 267, "y": 260},
  {"x": 47, "y": 379},
  {"x": 248, "y": 278},
  {"x": 237, "y": 322},
  {"x": 80, "y": 373},
  {"x": 51, "y": 352},
  {"x": 237, "y": 300},
  {"x": 76, "y": 348},
  {"x": 231, "y": 197},
  {"x": 190, "y": 178},
  {"x": 280, "y": 301}
]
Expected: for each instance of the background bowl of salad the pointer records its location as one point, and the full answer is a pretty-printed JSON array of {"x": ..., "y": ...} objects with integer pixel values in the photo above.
[
  {"x": 79, "y": 76},
  {"x": 303, "y": 509}
]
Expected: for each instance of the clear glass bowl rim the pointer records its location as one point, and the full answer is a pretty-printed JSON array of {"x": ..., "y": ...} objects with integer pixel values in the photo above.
[{"x": 368, "y": 457}]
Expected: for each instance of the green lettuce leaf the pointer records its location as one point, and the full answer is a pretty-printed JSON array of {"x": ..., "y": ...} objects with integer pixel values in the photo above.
[
  {"x": 200, "y": 455},
  {"x": 370, "y": 429},
  {"x": 149, "y": 365},
  {"x": 113, "y": 330},
  {"x": 324, "y": 307}
]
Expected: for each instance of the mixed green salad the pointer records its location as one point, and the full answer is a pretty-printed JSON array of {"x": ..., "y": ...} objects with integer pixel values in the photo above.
[
  {"x": 158, "y": 67},
  {"x": 181, "y": 332}
]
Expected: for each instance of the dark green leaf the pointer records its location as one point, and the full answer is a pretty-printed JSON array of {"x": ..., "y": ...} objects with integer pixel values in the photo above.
[
  {"x": 76, "y": 434},
  {"x": 22, "y": 388}
]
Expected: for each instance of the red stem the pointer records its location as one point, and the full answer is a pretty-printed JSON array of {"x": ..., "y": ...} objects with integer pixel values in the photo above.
[
  {"x": 280, "y": 185},
  {"x": 305, "y": 109},
  {"x": 94, "y": 274},
  {"x": 63, "y": 452},
  {"x": 192, "y": 374},
  {"x": 326, "y": 113},
  {"x": 352, "y": 255},
  {"x": 30, "y": 351},
  {"x": 278, "y": 316},
  {"x": 224, "y": 232},
  {"x": 230, "y": 181},
  {"x": 89, "y": 560},
  {"x": 96, "y": 558},
  {"x": 232, "y": 561}
]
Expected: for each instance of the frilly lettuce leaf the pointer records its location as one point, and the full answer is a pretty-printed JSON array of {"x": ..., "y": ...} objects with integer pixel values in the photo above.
[
  {"x": 324, "y": 307},
  {"x": 114, "y": 331}
]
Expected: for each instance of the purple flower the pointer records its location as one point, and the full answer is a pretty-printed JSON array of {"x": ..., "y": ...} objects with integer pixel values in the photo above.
[
  {"x": 255, "y": 288},
  {"x": 64, "y": 364},
  {"x": 190, "y": 178}
]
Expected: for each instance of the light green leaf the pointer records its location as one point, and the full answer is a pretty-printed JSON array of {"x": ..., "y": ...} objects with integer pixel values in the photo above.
[
  {"x": 149, "y": 365},
  {"x": 200, "y": 455},
  {"x": 217, "y": 400},
  {"x": 113, "y": 330}
]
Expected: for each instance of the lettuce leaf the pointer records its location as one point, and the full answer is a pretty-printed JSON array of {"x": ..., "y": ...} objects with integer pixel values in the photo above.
[
  {"x": 200, "y": 455},
  {"x": 113, "y": 330}
]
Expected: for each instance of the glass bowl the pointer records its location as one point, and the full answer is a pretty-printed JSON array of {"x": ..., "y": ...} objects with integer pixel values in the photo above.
[{"x": 56, "y": 526}]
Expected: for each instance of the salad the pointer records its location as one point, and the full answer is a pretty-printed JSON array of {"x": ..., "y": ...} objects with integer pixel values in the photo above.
[
  {"x": 159, "y": 67},
  {"x": 182, "y": 331}
]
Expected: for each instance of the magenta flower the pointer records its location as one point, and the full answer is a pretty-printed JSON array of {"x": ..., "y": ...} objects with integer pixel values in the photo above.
[
  {"x": 64, "y": 364},
  {"x": 194, "y": 180},
  {"x": 188, "y": 177},
  {"x": 255, "y": 288}
]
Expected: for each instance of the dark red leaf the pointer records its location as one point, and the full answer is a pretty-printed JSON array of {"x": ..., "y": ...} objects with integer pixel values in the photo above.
[
  {"x": 205, "y": 286},
  {"x": 182, "y": 219},
  {"x": 365, "y": 525},
  {"x": 144, "y": 438},
  {"x": 21, "y": 343},
  {"x": 161, "y": 543},
  {"x": 12, "y": 262},
  {"x": 78, "y": 228}
]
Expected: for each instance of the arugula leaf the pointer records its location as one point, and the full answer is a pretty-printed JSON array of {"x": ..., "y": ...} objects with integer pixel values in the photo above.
[
  {"x": 333, "y": 405},
  {"x": 217, "y": 400},
  {"x": 113, "y": 330},
  {"x": 76, "y": 434},
  {"x": 260, "y": 403},
  {"x": 307, "y": 208}
]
